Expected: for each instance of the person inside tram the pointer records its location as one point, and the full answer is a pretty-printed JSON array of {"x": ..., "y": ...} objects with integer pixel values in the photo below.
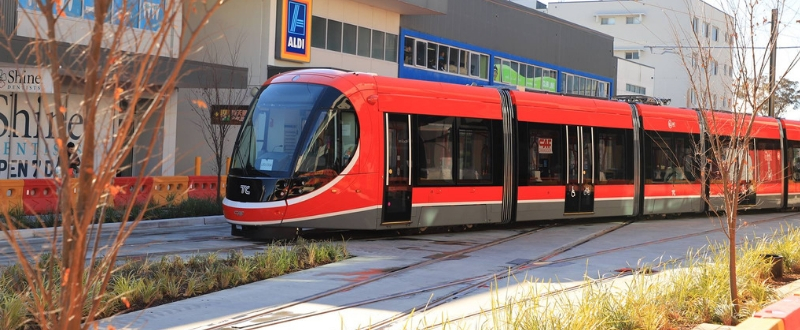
[{"x": 796, "y": 168}]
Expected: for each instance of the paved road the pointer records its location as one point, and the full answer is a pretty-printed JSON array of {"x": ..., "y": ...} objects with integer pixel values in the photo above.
[
  {"x": 152, "y": 238},
  {"x": 441, "y": 276}
]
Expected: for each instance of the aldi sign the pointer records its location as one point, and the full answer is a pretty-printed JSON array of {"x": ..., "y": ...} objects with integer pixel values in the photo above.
[{"x": 295, "y": 30}]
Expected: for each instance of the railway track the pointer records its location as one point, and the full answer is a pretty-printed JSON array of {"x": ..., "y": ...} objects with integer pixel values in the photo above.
[
  {"x": 455, "y": 289},
  {"x": 466, "y": 285}
]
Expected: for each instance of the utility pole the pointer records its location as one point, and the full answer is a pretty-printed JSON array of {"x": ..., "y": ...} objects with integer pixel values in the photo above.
[{"x": 772, "y": 56}]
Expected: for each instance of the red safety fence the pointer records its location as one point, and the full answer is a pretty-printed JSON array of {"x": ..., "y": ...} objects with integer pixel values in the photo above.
[
  {"x": 40, "y": 196},
  {"x": 127, "y": 194},
  {"x": 205, "y": 187}
]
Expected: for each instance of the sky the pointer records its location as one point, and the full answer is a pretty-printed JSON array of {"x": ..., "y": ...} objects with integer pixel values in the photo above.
[{"x": 788, "y": 38}]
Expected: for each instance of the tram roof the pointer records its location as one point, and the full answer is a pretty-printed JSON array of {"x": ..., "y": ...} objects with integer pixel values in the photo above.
[
  {"x": 559, "y": 109},
  {"x": 792, "y": 129},
  {"x": 667, "y": 119},
  {"x": 727, "y": 123}
]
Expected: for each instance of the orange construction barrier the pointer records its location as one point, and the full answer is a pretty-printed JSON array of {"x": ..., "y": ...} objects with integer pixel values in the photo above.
[
  {"x": 786, "y": 309},
  {"x": 169, "y": 189},
  {"x": 127, "y": 195},
  {"x": 11, "y": 194},
  {"x": 205, "y": 187},
  {"x": 40, "y": 196}
]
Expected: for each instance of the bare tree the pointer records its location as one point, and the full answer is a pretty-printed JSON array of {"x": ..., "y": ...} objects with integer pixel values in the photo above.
[
  {"x": 728, "y": 168},
  {"x": 115, "y": 58},
  {"x": 218, "y": 107},
  {"x": 786, "y": 95}
]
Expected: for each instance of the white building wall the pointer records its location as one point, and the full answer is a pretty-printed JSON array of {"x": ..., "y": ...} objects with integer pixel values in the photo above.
[
  {"x": 662, "y": 38},
  {"x": 254, "y": 22},
  {"x": 630, "y": 72}
]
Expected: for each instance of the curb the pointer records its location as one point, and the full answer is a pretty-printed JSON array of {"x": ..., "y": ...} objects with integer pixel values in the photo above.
[
  {"x": 144, "y": 224},
  {"x": 783, "y": 291}
]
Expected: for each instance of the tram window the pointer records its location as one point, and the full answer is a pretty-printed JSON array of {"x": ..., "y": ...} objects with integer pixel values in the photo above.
[
  {"x": 435, "y": 151},
  {"x": 671, "y": 157},
  {"x": 768, "y": 161},
  {"x": 421, "y": 47},
  {"x": 794, "y": 152},
  {"x": 614, "y": 164},
  {"x": 545, "y": 157},
  {"x": 474, "y": 151}
]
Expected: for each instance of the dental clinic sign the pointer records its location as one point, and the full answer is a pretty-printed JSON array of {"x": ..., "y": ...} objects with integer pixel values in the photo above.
[
  {"x": 294, "y": 30},
  {"x": 26, "y": 80}
]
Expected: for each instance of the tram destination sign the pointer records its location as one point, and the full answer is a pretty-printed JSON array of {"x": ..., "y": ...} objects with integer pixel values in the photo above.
[{"x": 295, "y": 30}]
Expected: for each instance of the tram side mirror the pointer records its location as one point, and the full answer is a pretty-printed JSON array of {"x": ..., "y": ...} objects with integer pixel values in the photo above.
[{"x": 254, "y": 91}]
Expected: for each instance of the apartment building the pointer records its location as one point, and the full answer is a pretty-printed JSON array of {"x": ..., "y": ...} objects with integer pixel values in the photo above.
[{"x": 664, "y": 35}]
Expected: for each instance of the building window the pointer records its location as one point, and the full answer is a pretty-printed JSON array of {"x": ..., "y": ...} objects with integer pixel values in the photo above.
[
  {"x": 635, "y": 89},
  {"x": 377, "y": 44},
  {"x": 633, "y": 20},
  {"x": 714, "y": 67},
  {"x": 318, "y": 28},
  {"x": 715, "y": 33},
  {"x": 521, "y": 74},
  {"x": 364, "y": 44},
  {"x": 607, "y": 21},
  {"x": 351, "y": 39},
  {"x": 634, "y": 55},
  {"x": 433, "y": 56},
  {"x": 705, "y": 30},
  {"x": 696, "y": 25},
  {"x": 391, "y": 47},
  {"x": 577, "y": 85},
  {"x": 334, "y": 41}
]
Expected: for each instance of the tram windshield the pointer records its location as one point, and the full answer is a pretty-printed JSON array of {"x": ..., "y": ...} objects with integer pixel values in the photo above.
[{"x": 296, "y": 129}]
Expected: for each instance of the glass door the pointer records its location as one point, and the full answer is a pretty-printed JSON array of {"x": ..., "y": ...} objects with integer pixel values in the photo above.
[
  {"x": 580, "y": 171},
  {"x": 397, "y": 191}
]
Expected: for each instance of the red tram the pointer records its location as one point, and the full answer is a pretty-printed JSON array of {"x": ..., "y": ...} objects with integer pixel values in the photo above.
[{"x": 343, "y": 150}]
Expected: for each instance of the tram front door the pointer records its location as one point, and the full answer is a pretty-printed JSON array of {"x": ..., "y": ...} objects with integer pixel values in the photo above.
[
  {"x": 580, "y": 171},
  {"x": 397, "y": 190}
]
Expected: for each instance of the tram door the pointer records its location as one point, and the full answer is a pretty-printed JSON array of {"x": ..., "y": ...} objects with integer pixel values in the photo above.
[
  {"x": 580, "y": 170},
  {"x": 397, "y": 191}
]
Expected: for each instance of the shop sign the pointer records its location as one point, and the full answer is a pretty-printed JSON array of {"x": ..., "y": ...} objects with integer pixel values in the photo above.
[
  {"x": 295, "y": 30},
  {"x": 27, "y": 133},
  {"x": 25, "y": 80},
  {"x": 228, "y": 114}
]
